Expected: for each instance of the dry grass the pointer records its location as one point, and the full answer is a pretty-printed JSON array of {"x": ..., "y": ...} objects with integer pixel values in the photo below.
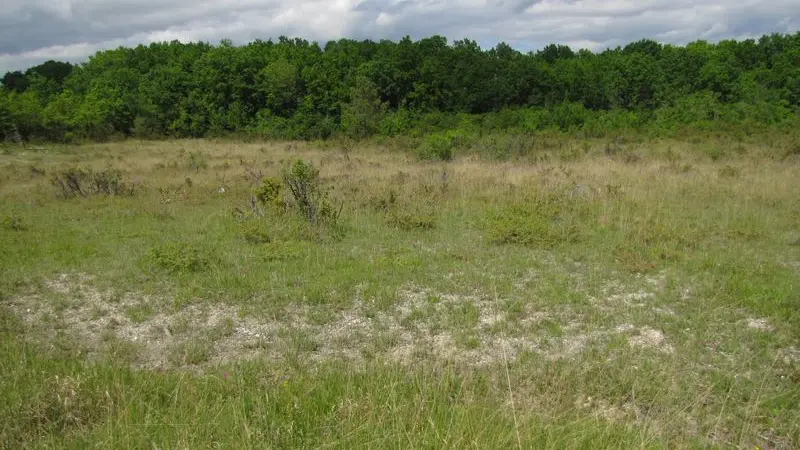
[{"x": 640, "y": 301}]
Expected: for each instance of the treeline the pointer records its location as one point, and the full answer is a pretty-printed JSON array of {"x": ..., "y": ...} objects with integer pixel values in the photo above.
[{"x": 294, "y": 89}]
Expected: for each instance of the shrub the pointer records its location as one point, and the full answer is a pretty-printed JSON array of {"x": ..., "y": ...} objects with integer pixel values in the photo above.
[
  {"x": 541, "y": 220},
  {"x": 309, "y": 196},
  {"x": 76, "y": 182},
  {"x": 300, "y": 190},
  {"x": 270, "y": 192},
  {"x": 179, "y": 257},
  {"x": 439, "y": 146}
]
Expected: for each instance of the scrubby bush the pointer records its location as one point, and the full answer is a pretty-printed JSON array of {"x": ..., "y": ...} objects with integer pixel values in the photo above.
[
  {"x": 77, "y": 182},
  {"x": 300, "y": 191},
  {"x": 270, "y": 193},
  {"x": 441, "y": 146},
  {"x": 542, "y": 220},
  {"x": 308, "y": 194},
  {"x": 179, "y": 257}
]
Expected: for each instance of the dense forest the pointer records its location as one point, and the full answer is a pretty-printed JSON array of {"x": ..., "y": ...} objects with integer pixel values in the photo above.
[{"x": 295, "y": 89}]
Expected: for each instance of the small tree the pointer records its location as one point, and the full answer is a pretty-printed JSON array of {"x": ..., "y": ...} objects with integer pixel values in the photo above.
[
  {"x": 310, "y": 196},
  {"x": 361, "y": 117}
]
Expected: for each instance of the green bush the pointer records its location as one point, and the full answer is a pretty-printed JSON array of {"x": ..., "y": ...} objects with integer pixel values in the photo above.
[
  {"x": 179, "y": 257},
  {"x": 309, "y": 195},
  {"x": 542, "y": 220},
  {"x": 441, "y": 146},
  {"x": 270, "y": 193}
]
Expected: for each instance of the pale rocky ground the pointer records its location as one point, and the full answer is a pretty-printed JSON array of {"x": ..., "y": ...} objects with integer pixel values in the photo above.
[{"x": 423, "y": 324}]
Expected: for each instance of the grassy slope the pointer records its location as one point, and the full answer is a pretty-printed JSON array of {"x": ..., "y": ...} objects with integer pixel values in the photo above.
[{"x": 647, "y": 299}]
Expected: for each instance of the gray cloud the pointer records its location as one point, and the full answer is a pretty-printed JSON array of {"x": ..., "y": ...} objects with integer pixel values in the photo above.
[{"x": 32, "y": 31}]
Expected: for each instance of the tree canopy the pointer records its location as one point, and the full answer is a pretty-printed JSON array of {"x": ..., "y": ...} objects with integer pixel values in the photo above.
[{"x": 292, "y": 88}]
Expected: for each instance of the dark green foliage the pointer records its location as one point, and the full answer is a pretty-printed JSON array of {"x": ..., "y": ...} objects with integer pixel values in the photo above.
[
  {"x": 15, "y": 81},
  {"x": 77, "y": 182},
  {"x": 294, "y": 89}
]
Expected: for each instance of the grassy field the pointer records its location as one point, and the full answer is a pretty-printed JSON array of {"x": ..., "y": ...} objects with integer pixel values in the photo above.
[{"x": 591, "y": 295}]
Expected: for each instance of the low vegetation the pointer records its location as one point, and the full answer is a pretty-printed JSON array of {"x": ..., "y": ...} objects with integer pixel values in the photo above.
[{"x": 623, "y": 293}]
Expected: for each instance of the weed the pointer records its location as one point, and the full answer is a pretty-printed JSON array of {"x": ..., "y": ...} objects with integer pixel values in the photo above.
[
  {"x": 37, "y": 171},
  {"x": 383, "y": 203},
  {"x": 715, "y": 153},
  {"x": 792, "y": 151},
  {"x": 634, "y": 259}
]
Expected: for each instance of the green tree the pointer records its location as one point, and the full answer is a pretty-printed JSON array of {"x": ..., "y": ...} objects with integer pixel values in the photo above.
[
  {"x": 26, "y": 110},
  {"x": 362, "y": 115},
  {"x": 15, "y": 81},
  {"x": 278, "y": 83},
  {"x": 59, "y": 116}
]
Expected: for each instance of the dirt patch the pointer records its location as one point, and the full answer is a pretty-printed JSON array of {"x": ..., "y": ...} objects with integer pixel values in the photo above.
[
  {"x": 650, "y": 338},
  {"x": 759, "y": 324},
  {"x": 422, "y": 325}
]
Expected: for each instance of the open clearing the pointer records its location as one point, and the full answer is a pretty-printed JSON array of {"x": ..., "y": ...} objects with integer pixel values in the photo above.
[{"x": 644, "y": 299}]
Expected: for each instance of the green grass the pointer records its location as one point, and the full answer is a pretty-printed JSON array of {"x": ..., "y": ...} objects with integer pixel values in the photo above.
[{"x": 560, "y": 302}]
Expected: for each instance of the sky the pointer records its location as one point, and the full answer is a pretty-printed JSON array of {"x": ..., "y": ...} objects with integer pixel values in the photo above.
[{"x": 33, "y": 31}]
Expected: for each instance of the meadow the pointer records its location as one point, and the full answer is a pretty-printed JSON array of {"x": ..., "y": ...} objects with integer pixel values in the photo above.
[{"x": 584, "y": 293}]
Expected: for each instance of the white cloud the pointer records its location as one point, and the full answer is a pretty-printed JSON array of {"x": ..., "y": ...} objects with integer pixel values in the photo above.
[{"x": 32, "y": 31}]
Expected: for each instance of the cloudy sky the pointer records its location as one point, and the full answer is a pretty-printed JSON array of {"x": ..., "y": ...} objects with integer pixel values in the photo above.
[{"x": 32, "y": 31}]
